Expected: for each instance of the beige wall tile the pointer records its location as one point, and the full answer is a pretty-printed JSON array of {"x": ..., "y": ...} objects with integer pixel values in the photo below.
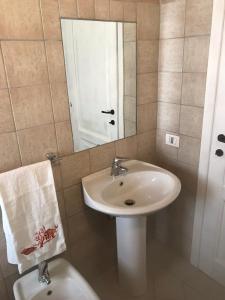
[
  {"x": 168, "y": 116},
  {"x": 6, "y": 268},
  {"x": 31, "y": 106},
  {"x": 147, "y": 87},
  {"x": 9, "y": 152},
  {"x": 148, "y": 21},
  {"x": 164, "y": 151},
  {"x": 61, "y": 205},
  {"x": 185, "y": 203},
  {"x": 193, "y": 89},
  {"x": 36, "y": 142},
  {"x": 169, "y": 87},
  {"x": 55, "y": 57},
  {"x": 116, "y": 10},
  {"x": 82, "y": 225},
  {"x": 188, "y": 175},
  {"x": 50, "y": 17},
  {"x": 171, "y": 55},
  {"x": 93, "y": 244},
  {"x": 101, "y": 157},
  {"x": 74, "y": 167},
  {"x": 198, "y": 17},
  {"x": 191, "y": 121},
  {"x": 86, "y": 9},
  {"x": 57, "y": 176},
  {"x": 130, "y": 11},
  {"x": 182, "y": 244},
  {"x": 146, "y": 117},
  {"x": 60, "y": 102},
  {"x": 20, "y": 20},
  {"x": 64, "y": 138},
  {"x": 6, "y": 116},
  {"x": 25, "y": 63},
  {"x": 127, "y": 147},
  {"x": 74, "y": 202},
  {"x": 196, "y": 51},
  {"x": 189, "y": 150},
  {"x": 3, "y": 83},
  {"x": 172, "y": 19},
  {"x": 147, "y": 56},
  {"x": 146, "y": 146},
  {"x": 102, "y": 9},
  {"x": 68, "y": 8},
  {"x": 3, "y": 290}
]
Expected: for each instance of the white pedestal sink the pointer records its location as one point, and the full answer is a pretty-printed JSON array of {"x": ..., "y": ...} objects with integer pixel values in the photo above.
[{"x": 145, "y": 189}]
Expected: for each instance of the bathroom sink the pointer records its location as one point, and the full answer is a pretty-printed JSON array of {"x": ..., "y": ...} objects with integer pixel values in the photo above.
[
  {"x": 66, "y": 283},
  {"x": 145, "y": 189}
]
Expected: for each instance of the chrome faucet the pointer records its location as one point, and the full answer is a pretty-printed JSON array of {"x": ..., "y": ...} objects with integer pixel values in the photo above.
[
  {"x": 117, "y": 169},
  {"x": 43, "y": 275}
]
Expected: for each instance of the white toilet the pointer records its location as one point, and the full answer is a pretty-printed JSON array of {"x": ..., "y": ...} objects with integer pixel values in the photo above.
[{"x": 66, "y": 283}]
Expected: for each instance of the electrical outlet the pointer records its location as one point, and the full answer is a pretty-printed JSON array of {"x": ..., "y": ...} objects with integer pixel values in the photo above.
[{"x": 172, "y": 140}]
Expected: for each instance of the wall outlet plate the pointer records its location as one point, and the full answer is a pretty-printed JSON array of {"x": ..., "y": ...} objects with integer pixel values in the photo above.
[{"x": 172, "y": 140}]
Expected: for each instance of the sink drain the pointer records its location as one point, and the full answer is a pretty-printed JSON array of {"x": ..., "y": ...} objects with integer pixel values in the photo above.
[
  {"x": 129, "y": 202},
  {"x": 49, "y": 293}
]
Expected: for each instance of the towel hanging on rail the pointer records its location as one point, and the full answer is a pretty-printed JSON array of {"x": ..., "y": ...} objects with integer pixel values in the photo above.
[{"x": 30, "y": 214}]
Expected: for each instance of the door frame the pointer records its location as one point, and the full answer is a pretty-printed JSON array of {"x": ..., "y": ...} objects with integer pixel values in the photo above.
[{"x": 208, "y": 121}]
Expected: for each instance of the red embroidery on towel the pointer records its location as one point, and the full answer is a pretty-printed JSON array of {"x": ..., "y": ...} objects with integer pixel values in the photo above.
[
  {"x": 41, "y": 237},
  {"x": 28, "y": 251}
]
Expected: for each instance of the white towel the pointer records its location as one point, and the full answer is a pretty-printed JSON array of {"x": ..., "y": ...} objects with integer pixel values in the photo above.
[{"x": 30, "y": 215}]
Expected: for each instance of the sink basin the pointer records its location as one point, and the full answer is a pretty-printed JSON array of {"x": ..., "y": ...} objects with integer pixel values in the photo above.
[
  {"x": 66, "y": 283},
  {"x": 145, "y": 189}
]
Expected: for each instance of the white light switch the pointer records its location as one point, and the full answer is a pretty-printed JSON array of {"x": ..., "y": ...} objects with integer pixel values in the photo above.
[{"x": 172, "y": 140}]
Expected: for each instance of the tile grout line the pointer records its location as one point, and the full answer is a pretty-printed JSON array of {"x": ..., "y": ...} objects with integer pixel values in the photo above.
[{"x": 181, "y": 91}]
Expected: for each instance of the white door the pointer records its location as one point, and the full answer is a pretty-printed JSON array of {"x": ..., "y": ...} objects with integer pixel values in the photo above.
[
  {"x": 212, "y": 246},
  {"x": 91, "y": 52}
]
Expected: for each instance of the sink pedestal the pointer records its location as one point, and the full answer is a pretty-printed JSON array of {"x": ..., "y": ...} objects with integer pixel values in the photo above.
[{"x": 131, "y": 253}]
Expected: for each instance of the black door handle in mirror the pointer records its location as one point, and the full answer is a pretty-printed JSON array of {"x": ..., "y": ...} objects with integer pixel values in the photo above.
[
  {"x": 221, "y": 138},
  {"x": 219, "y": 152},
  {"x": 112, "y": 122},
  {"x": 111, "y": 112}
]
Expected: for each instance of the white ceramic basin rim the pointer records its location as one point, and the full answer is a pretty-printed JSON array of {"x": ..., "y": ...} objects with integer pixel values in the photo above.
[
  {"x": 145, "y": 189},
  {"x": 66, "y": 283}
]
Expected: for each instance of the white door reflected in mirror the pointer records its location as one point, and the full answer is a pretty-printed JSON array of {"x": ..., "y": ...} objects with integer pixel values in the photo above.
[{"x": 100, "y": 60}]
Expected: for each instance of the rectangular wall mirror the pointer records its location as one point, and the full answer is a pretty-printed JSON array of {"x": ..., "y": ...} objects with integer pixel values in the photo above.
[{"x": 100, "y": 59}]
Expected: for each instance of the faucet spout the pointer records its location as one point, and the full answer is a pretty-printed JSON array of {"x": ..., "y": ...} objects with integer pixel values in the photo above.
[
  {"x": 43, "y": 275},
  {"x": 117, "y": 169}
]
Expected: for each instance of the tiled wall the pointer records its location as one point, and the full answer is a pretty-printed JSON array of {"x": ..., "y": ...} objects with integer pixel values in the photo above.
[
  {"x": 34, "y": 115},
  {"x": 183, "y": 55}
]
